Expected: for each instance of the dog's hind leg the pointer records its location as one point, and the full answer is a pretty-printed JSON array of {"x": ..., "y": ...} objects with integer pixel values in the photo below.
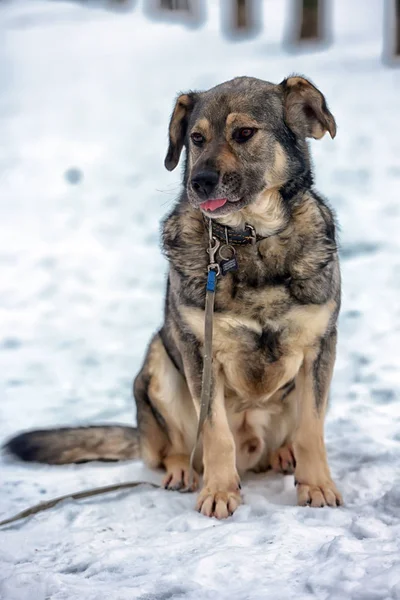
[
  {"x": 313, "y": 479},
  {"x": 166, "y": 417},
  {"x": 282, "y": 457},
  {"x": 283, "y": 460},
  {"x": 177, "y": 477}
]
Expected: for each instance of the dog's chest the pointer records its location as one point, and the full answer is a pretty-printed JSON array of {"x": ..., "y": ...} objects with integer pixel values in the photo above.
[
  {"x": 252, "y": 301},
  {"x": 261, "y": 329},
  {"x": 255, "y": 315},
  {"x": 260, "y": 357}
]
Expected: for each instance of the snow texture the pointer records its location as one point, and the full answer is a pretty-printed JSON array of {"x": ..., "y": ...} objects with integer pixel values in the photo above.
[{"x": 85, "y": 99}]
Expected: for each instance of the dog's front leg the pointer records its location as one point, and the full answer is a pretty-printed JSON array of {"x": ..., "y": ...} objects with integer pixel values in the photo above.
[
  {"x": 313, "y": 479},
  {"x": 220, "y": 495}
]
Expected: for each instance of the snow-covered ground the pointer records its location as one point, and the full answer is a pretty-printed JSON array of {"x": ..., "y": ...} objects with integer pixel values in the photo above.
[{"x": 85, "y": 96}]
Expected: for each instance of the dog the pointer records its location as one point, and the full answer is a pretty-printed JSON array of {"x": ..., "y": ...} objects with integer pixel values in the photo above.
[{"x": 248, "y": 186}]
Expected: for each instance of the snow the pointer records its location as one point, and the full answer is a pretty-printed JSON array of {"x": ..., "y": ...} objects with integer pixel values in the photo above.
[{"x": 85, "y": 100}]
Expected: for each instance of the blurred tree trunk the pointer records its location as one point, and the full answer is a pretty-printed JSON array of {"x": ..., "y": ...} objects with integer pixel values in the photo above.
[
  {"x": 175, "y": 5},
  {"x": 397, "y": 28},
  {"x": 311, "y": 19},
  {"x": 309, "y": 24},
  {"x": 241, "y": 18},
  {"x": 242, "y": 14},
  {"x": 189, "y": 12},
  {"x": 391, "y": 33}
]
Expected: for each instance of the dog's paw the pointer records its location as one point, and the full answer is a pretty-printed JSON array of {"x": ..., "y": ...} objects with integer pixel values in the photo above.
[
  {"x": 317, "y": 496},
  {"x": 178, "y": 479},
  {"x": 283, "y": 460},
  {"x": 219, "y": 501}
]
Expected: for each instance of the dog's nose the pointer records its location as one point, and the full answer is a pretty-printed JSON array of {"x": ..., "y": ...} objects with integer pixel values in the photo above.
[{"x": 204, "y": 183}]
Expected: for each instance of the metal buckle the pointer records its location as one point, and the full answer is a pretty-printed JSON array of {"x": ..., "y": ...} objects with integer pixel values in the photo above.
[
  {"x": 226, "y": 236},
  {"x": 252, "y": 233}
]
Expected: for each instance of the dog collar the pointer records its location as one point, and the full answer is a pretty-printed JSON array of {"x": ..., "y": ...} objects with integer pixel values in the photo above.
[{"x": 231, "y": 236}]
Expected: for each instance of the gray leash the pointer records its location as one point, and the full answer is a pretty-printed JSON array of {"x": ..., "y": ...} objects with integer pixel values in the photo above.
[
  {"x": 206, "y": 381},
  {"x": 33, "y": 510}
]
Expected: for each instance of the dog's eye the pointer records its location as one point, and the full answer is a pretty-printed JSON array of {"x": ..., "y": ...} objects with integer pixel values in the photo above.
[
  {"x": 197, "y": 139},
  {"x": 243, "y": 134}
]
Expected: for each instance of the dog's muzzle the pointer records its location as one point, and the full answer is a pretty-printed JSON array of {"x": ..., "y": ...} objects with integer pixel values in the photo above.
[
  {"x": 205, "y": 183},
  {"x": 208, "y": 185}
]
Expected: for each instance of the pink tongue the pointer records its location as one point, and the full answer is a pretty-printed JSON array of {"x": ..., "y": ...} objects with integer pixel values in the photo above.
[{"x": 213, "y": 204}]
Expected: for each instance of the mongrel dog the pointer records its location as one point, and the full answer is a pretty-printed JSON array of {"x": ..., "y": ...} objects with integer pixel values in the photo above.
[{"x": 248, "y": 176}]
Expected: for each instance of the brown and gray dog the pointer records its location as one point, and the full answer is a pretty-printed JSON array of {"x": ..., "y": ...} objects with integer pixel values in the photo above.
[{"x": 248, "y": 174}]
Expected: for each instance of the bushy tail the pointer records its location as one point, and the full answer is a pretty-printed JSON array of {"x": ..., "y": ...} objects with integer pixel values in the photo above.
[{"x": 76, "y": 444}]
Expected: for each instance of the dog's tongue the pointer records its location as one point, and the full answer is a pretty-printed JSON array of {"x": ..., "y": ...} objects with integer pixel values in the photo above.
[{"x": 213, "y": 204}]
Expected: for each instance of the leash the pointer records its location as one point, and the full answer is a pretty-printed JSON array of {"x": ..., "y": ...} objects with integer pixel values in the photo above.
[
  {"x": 206, "y": 381},
  {"x": 216, "y": 234},
  {"x": 33, "y": 510}
]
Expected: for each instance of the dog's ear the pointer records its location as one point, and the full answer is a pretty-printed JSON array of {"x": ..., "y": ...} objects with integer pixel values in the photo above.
[
  {"x": 178, "y": 128},
  {"x": 306, "y": 111}
]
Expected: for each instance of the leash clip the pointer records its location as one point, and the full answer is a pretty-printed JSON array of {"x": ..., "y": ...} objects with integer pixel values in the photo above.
[{"x": 214, "y": 245}]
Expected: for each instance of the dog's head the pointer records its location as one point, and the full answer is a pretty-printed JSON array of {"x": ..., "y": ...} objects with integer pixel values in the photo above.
[{"x": 243, "y": 137}]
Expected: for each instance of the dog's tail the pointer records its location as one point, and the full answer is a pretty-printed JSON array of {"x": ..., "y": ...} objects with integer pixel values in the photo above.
[{"x": 76, "y": 444}]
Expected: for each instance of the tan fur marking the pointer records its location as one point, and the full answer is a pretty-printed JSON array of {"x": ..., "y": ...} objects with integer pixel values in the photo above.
[
  {"x": 278, "y": 174},
  {"x": 240, "y": 119},
  {"x": 308, "y": 323},
  {"x": 203, "y": 126},
  {"x": 226, "y": 160},
  {"x": 223, "y": 323}
]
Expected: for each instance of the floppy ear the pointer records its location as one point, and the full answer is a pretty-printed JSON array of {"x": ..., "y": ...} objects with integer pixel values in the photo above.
[
  {"x": 306, "y": 111},
  {"x": 178, "y": 128}
]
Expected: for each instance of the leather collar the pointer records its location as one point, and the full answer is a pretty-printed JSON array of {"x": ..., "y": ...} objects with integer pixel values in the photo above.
[{"x": 231, "y": 236}]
